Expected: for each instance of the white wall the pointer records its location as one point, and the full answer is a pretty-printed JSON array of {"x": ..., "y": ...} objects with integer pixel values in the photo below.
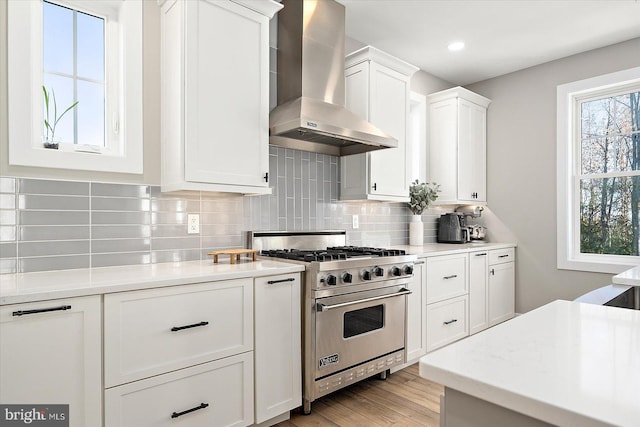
[
  {"x": 151, "y": 129},
  {"x": 521, "y": 167}
]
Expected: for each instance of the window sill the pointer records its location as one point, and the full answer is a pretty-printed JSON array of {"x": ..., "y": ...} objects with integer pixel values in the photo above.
[{"x": 598, "y": 264}]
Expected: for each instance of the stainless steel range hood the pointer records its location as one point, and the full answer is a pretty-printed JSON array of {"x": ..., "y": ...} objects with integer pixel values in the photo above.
[{"x": 311, "y": 113}]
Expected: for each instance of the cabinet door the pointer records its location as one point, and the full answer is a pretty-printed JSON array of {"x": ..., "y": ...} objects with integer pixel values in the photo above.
[
  {"x": 501, "y": 292},
  {"x": 478, "y": 272},
  {"x": 389, "y": 111},
  {"x": 54, "y": 357},
  {"x": 416, "y": 313},
  {"x": 152, "y": 331},
  {"x": 472, "y": 131},
  {"x": 213, "y": 394},
  {"x": 278, "y": 347},
  {"x": 443, "y": 139},
  {"x": 226, "y": 93},
  {"x": 446, "y": 277},
  {"x": 447, "y": 321}
]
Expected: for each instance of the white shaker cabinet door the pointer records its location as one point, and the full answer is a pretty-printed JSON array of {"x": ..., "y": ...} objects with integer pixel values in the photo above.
[
  {"x": 417, "y": 313},
  {"x": 278, "y": 345},
  {"x": 478, "y": 277},
  {"x": 501, "y": 292},
  {"x": 472, "y": 174},
  {"x": 51, "y": 353}
]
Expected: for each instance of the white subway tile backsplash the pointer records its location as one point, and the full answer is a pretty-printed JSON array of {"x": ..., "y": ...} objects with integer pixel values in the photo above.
[{"x": 43, "y": 222}]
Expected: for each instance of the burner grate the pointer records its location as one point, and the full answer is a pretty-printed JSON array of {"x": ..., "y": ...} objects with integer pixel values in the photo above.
[{"x": 332, "y": 253}]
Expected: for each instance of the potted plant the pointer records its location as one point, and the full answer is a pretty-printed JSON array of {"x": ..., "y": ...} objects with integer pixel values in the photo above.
[
  {"x": 48, "y": 139},
  {"x": 421, "y": 195}
]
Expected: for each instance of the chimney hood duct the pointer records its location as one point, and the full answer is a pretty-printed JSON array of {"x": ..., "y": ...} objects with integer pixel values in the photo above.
[{"x": 311, "y": 113}]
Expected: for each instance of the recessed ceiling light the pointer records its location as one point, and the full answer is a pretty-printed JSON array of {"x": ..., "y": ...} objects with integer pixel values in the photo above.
[{"x": 455, "y": 46}]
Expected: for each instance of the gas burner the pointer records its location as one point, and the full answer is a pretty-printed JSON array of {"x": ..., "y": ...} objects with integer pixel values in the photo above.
[
  {"x": 364, "y": 251},
  {"x": 306, "y": 255}
]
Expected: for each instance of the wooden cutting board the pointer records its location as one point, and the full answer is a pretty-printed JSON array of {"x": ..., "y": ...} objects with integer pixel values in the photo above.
[{"x": 234, "y": 254}]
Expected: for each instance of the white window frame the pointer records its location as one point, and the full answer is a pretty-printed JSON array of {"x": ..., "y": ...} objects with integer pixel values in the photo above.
[
  {"x": 568, "y": 163},
  {"x": 123, "y": 51}
]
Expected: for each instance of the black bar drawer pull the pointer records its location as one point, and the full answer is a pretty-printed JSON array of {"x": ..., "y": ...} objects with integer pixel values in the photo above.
[
  {"x": 451, "y": 321},
  {"x": 453, "y": 276},
  {"x": 482, "y": 254},
  {"x": 503, "y": 256},
  {"x": 179, "y": 414},
  {"x": 273, "y": 282},
  {"x": 195, "y": 325},
  {"x": 41, "y": 310}
]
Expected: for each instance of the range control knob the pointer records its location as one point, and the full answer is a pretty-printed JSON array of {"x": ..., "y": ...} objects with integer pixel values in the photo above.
[
  {"x": 407, "y": 269},
  {"x": 347, "y": 277},
  {"x": 331, "y": 280},
  {"x": 378, "y": 271},
  {"x": 395, "y": 271},
  {"x": 366, "y": 275}
]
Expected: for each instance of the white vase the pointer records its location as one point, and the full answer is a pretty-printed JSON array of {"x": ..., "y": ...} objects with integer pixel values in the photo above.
[{"x": 416, "y": 231}]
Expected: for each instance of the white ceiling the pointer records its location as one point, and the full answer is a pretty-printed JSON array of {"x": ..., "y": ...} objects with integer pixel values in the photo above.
[{"x": 501, "y": 36}]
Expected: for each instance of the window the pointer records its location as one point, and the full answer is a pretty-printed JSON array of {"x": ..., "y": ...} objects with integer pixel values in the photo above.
[
  {"x": 599, "y": 173},
  {"x": 89, "y": 52},
  {"x": 74, "y": 70}
]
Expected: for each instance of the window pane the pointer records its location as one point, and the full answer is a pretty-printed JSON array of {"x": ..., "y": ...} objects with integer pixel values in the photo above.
[
  {"x": 609, "y": 134},
  {"x": 62, "y": 88},
  {"x": 609, "y": 215},
  {"x": 91, "y": 113},
  {"x": 608, "y": 154},
  {"x": 90, "y": 47},
  {"x": 57, "y": 31}
]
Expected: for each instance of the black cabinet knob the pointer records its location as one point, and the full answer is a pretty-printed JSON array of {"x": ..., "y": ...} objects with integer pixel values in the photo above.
[{"x": 331, "y": 280}]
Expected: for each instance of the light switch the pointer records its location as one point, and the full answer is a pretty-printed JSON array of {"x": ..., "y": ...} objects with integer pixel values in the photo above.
[
  {"x": 356, "y": 222},
  {"x": 193, "y": 223}
]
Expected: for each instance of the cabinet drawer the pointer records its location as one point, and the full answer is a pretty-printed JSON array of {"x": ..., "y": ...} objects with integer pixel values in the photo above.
[
  {"x": 499, "y": 256},
  {"x": 447, "y": 322},
  {"x": 446, "y": 277},
  {"x": 225, "y": 386},
  {"x": 154, "y": 331}
]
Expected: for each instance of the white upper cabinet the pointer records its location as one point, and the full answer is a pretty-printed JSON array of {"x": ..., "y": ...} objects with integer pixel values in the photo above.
[
  {"x": 215, "y": 95},
  {"x": 377, "y": 89},
  {"x": 458, "y": 139}
]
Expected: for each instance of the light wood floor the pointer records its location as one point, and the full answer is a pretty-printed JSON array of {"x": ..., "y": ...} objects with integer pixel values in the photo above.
[{"x": 404, "y": 399}]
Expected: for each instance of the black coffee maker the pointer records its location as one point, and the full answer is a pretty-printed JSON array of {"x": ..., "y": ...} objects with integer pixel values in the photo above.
[{"x": 452, "y": 229}]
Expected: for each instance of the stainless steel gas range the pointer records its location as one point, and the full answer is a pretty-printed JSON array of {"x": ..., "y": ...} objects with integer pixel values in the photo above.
[{"x": 354, "y": 306}]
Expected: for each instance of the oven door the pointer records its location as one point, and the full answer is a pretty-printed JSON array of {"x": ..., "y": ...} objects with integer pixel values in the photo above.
[{"x": 357, "y": 327}]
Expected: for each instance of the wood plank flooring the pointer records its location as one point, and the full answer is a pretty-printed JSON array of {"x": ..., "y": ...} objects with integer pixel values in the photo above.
[{"x": 404, "y": 399}]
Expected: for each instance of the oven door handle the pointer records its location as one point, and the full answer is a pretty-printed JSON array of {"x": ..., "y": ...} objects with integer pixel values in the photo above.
[{"x": 322, "y": 307}]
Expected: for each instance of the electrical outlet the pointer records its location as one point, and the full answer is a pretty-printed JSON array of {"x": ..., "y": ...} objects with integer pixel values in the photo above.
[
  {"x": 356, "y": 222},
  {"x": 193, "y": 223}
]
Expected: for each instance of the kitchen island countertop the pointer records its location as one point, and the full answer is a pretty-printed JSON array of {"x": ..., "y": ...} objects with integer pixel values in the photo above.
[
  {"x": 630, "y": 277},
  {"x": 45, "y": 285},
  {"x": 565, "y": 363}
]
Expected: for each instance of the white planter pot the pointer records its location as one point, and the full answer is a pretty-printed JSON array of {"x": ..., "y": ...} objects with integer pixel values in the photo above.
[{"x": 416, "y": 231}]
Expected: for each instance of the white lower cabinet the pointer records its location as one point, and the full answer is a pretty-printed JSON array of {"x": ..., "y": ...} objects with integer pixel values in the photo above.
[
  {"x": 446, "y": 277},
  {"x": 501, "y": 292},
  {"x": 153, "y": 331},
  {"x": 447, "y": 321},
  {"x": 214, "y": 394},
  {"x": 491, "y": 288},
  {"x": 51, "y": 353},
  {"x": 278, "y": 377},
  {"x": 416, "y": 313},
  {"x": 478, "y": 278}
]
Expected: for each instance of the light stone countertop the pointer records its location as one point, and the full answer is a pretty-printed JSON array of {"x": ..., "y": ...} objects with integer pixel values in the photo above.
[
  {"x": 435, "y": 249},
  {"x": 566, "y": 363},
  {"x": 45, "y": 285},
  {"x": 630, "y": 277}
]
